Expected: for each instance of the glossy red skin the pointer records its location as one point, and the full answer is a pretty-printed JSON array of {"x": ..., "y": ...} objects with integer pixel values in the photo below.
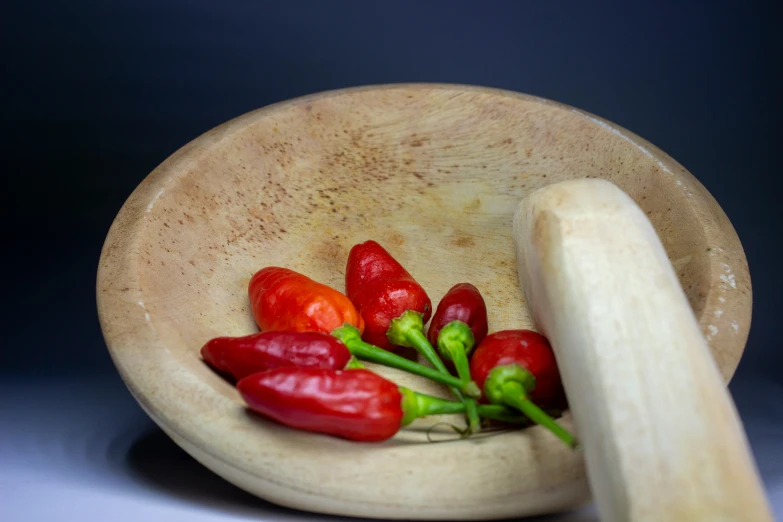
[
  {"x": 528, "y": 349},
  {"x": 287, "y": 301},
  {"x": 355, "y": 404},
  {"x": 243, "y": 356},
  {"x": 382, "y": 290},
  {"x": 463, "y": 302}
]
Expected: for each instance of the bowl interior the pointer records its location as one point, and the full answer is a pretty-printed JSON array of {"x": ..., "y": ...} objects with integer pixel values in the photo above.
[{"x": 434, "y": 174}]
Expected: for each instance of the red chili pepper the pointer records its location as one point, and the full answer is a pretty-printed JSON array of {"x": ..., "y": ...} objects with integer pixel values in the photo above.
[
  {"x": 526, "y": 348},
  {"x": 463, "y": 302},
  {"x": 382, "y": 290},
  {"x": 357, "y": 405},
  {"x": 243, "y": 356},
  {"x": 517, "y": 368},
  {"x": 284, "y": 300}
]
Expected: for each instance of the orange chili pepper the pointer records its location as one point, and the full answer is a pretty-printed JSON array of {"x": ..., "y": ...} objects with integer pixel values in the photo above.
[{"x": 287, "y": 301}]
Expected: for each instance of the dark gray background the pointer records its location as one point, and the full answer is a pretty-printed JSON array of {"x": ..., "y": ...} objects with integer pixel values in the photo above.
[{"x": 97, "y": 93}]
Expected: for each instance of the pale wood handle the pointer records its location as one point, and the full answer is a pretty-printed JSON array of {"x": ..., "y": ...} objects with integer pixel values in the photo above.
[{"x": 662, "y": 438}]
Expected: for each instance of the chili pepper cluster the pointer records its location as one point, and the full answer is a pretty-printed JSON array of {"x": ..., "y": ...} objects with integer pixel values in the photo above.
[{"x": 303, "y": 368}]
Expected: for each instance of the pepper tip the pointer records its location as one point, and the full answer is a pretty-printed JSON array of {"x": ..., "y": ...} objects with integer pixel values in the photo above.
[{"x": 472, "y": 390}]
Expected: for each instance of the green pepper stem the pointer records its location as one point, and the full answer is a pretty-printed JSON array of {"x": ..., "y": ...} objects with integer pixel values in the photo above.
[
  {"x": 463, "y": 370},
  {"x": 510, "y": 384},
  {"x": 462, "y": 365},
  {"x": 455, "y": 341},
  {"x": 471, "y": 412},
  {"x": 408, "y": 330},
  {"x": 351, "y": 338},
  {"x": 501, "y": 413},
  {"x": 415, "y": 405},
  {"x": 516, "y": 396}
]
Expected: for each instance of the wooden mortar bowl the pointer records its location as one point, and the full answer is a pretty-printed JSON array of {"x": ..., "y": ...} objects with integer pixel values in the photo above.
[{"x": 432, "y": 172}]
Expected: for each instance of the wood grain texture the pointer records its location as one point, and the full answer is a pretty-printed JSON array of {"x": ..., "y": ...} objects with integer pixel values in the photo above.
[
  {"x": 434, "y": 172},
  {"x": 662, "y": 438}
]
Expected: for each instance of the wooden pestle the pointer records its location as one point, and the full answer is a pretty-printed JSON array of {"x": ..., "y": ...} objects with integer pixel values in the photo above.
[{"x": 661, "y": 436}]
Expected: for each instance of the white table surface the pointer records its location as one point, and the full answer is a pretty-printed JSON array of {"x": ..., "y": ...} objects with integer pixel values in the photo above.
[{"x": 81, "y": 449}]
